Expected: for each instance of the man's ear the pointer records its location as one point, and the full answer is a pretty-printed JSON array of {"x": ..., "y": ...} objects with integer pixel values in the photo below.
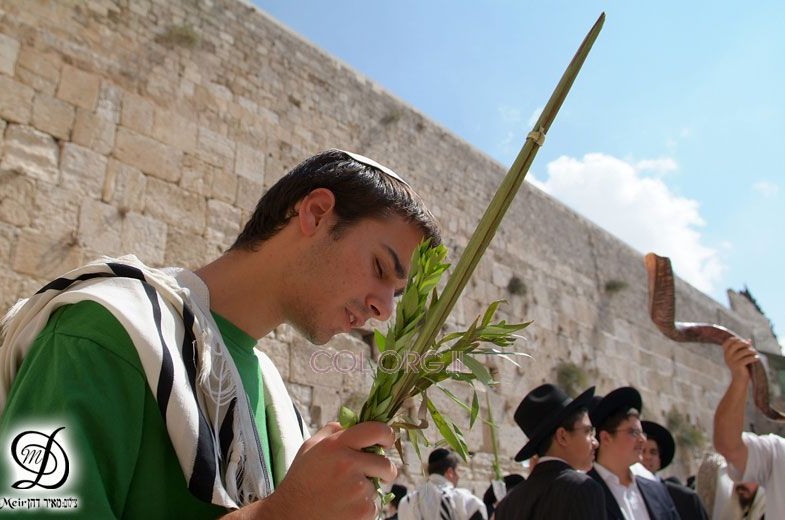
[
  {"x": 314, "y": 210},
  {"x": 560, "y": 436}
]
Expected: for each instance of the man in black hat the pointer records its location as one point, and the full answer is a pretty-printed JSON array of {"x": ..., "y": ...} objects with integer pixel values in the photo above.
[
  {"x": 439, "y": 497},
  {"x": 657, "y": 455},
  {"x": 621, "y": 438},
  {"x": 559, "y": 431}
]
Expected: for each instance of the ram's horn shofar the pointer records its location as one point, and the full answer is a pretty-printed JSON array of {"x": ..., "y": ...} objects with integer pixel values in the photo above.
[{"x": 662, "y": 308}]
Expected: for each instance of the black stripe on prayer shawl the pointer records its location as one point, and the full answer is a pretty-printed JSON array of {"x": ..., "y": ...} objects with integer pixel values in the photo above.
[
  {"x": 204, "y": 470},
  {"x": 225, "y": 434},
  {"x": 166, "y": 376},
  {"x": 62, "y": 284},
  {"x": 299, "y": 419},
  {"x": 446, "y": 512}
]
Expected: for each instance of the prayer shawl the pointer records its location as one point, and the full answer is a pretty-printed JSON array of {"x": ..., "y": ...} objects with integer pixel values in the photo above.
[
  {"x": 438, "y": 499},
  {"x": 188, "y": 368}
]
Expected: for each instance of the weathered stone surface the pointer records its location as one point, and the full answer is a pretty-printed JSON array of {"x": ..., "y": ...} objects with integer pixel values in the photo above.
[
  {"x": 100, "y": 227},
  {"x": 45, "y": 256},
  {"x": 188, "y": 249},
  {"x": 39, "y": 70},
  {"x": 171, "y": 129},
  {"x": 16, "y": 101},
  {"x": 176, "y": 206},
  {"x": 137, "y": 114},
  {"x": 149, "y": 155},
  {"x": 223, "y": 221},
  {"x": 8, "y": 234},
  {"x": 215, "y": 148},
  {"x": 56, "y": 210},
  {"x": 145, "y": 237},
  {"x": 83, "y": 171},
  {"x": 94, "y": 131},
  {"x": 248, "y": 194},
  {"x": 249, "y": 163},
  {"x": 17, "y": 193},
  {"x": 9, "y": 51},
  {"x": 53, "y": 116},
  {"x": 78, "y": 87},
  {"x": 30, "y": 152},
  {"x": 124, "y": 186}
]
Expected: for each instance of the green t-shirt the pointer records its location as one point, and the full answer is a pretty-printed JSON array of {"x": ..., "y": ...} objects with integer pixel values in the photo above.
[{"x": 84, "y": 373}]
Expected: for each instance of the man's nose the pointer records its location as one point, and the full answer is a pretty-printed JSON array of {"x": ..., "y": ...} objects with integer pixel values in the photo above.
[{"x": 381, "y": 304}]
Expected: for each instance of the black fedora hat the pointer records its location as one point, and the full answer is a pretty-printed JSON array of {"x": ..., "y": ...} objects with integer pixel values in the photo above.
[
  {"x": 624, "y": 397},
  {"x": 664, "y": 440},
  {"x": 542, "y": 411}
]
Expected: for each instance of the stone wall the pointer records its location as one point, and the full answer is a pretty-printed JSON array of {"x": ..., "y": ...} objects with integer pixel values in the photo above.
[{"x": 152, "y": 127}]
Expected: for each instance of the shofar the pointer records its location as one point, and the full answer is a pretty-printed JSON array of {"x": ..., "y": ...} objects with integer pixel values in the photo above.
[{"x": 662, "y": 309}]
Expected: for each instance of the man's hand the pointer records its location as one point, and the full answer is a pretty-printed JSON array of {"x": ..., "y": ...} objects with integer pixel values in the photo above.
[
  {"x": 329, "y": 478},
  {"x": 729, "y": 416},
  {"x": 739, "y": 354}
]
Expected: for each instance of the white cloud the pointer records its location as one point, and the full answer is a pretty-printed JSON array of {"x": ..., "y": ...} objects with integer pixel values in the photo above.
[
  {"x": 661, "y": 165},
  {"x": 766, "y": 188},
  {"x": 640, "y": 210}
]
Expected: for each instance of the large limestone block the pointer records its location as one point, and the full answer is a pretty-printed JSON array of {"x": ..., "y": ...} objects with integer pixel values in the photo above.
[
  {"x": 151, "y": 156},
  {"x": 175, "y": 206},
  {"x": 223, "y": 221},
  {"x": 124, "y": 186},
  {"x": 145, "y": 237},
  {"x": 174, "y": 130},
  {"x": 30, "y": 152},
  {"x": 9, "y": 51},
  {"x": 53, "y": 116},
  {"x": 17, "y": 193},
  {"x": 137, "y": 114},
  {"x": 100, "y": 226},
  {"x": 78, "y": 87},
  {"x": 94, "y": 131},
  {"x": 83, "y": 171},
  {"x": 41, "y": 71},
  {"x": 16, "y": 101},
  {"x": 46, "y": 256},
  {"x": 249, "y": 163},
  {"x": 215, "y": 148}
]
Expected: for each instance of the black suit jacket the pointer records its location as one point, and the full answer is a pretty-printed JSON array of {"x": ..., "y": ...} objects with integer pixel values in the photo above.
[
  {"x": 658, "y": 502},
  {"x": 554, "y": 490},
  {"x": 688, "y": 503}
]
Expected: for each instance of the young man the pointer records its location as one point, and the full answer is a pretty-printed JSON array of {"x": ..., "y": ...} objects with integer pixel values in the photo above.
[
  {"x": 621, "y": 440},
  {"x": 560, "y": 432},
  {"x": 751, "y": 458},
  {"x": 439, "y": 497},
  {"x": 150, "y": 381},
  {"x": 658, "y": 453}
]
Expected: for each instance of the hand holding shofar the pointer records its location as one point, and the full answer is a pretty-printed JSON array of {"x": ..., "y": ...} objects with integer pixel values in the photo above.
[{"x": 662, "y": 309}]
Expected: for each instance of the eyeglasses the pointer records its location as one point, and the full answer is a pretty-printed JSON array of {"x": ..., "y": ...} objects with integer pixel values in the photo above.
[
  {"x": 637, "y": 433},
  {"x": 589, "y": 431}
]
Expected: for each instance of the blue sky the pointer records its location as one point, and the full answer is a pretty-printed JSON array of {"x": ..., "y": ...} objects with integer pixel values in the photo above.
[{"x": 671, "y": 139}]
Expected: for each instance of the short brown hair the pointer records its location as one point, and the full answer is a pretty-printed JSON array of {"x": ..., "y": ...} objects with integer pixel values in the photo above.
[{"x": 361, "y": 191}]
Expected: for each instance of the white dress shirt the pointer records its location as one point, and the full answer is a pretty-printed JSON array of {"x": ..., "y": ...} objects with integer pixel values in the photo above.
[{"x": 629, "y": 498}]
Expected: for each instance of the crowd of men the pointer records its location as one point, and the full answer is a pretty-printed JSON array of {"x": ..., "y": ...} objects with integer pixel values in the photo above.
[
  {"x": 597, "y": 459},
  {"x": 150, "y": 380}
]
